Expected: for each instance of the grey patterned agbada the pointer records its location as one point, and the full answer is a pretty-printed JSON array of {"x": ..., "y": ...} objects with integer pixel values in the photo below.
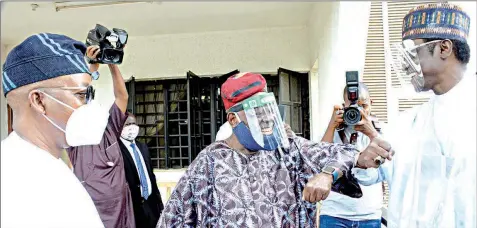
[{"x": 224, "y": 187}]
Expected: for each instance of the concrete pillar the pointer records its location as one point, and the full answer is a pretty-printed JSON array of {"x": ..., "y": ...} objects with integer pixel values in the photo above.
[{"x": 339, "y": 46}]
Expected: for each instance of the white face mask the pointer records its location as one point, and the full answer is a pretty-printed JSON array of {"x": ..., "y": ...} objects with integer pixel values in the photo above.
[
  {"x": 86, "y": 124},
  {"x": 130, "y": 132}
]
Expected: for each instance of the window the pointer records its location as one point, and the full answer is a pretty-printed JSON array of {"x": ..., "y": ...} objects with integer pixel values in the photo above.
[
  {"x": 385, "y": 26},
  {"x": 175, "y": 135}
]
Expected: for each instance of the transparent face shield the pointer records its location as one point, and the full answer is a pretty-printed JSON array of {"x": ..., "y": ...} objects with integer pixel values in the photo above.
[
  {"x": 406, "y": 65},
  {"x": 264, "y": 120}
]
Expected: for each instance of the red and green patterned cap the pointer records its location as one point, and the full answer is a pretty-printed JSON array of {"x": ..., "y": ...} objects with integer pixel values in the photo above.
[{"x": 240, "y": 87}]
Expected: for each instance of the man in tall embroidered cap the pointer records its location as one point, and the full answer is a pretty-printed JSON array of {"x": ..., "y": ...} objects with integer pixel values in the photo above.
[
  {"x": 260, "y": 176},
  {"x": 48, "y": 86},
  {"x": 432, "y": 177}
]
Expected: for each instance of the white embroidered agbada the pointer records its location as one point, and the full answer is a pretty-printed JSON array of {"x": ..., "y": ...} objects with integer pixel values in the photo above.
[{"x": 433, "y": 174}]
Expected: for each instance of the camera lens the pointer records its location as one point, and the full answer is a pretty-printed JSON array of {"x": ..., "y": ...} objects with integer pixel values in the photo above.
[
  {"x": 111, "y": 56},
  {"x": 351, "y": 116}
]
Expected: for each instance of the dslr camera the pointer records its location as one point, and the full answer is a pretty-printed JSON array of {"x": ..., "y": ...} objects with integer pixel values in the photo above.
[
  {"x": 111, "y": 44},
  {"x": 352, "y": 114}
]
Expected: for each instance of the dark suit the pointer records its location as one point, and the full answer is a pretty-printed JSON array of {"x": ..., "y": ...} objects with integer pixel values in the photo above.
[{"x": 146, "y": 212}]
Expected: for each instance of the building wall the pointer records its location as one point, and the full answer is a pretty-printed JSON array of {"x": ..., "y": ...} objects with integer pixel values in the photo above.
[
  {"x": 3, "y": 102},
  {"x": 338, "y": 45},
  {"x": 212, "y": 53},
  {"x": 470, "y": 8}
]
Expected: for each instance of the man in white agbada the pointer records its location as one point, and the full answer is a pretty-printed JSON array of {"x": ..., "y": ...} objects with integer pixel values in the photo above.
[
  {"x": 432, "y": 176},
  {"x": 48, "y": 86}
]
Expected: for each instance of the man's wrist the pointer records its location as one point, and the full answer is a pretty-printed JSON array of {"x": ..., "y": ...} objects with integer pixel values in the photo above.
[
  {"x": 373, "y": 134},
  {"x": 333, "y": 171},
  {"x": 332, "y": 126},
  {"x": 94, "y": 67},
  {"x": 356, "y": 159},
  {"x": 112, "y": 66},
  {"x": 330, "y": 176}
]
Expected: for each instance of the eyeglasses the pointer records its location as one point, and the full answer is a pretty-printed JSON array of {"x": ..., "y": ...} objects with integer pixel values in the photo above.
[
  {"x": 410, "y": 46},
  {"x": 86, "y": 95}
]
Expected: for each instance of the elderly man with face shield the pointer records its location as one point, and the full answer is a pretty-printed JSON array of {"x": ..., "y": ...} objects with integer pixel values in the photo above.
[
  {"x": 259, "y": 176},
  {"x": 432, "y": 177},
  {"x": 48, "y": 86}
]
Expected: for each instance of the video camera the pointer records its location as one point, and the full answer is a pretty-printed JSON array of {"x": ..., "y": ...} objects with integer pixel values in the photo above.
[
  {"x": 352, "y": 114},
  {"x": 111, "y": 44}
]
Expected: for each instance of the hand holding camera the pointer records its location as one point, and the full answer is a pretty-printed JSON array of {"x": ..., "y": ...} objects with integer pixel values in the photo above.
[
  {"x": 337, "y": 117},
  {"x": 91, "y": 54},
  {"x": 110, "y": 44},
  {"x": 366, "y": 126}
]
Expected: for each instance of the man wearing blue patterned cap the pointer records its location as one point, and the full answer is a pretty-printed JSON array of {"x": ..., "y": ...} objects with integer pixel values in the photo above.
[
  {"x": 432, "y": 176},
  {"x": 47, "y": 84}
]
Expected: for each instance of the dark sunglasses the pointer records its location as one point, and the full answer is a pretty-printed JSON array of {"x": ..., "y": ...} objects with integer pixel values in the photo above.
[{"x": 88, "y": 93}]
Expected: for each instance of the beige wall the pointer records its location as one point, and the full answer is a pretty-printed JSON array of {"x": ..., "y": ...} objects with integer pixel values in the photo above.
[
  {"x": 339, "y": 45},
  {"x": 470, "y": 8},
  {"x": 213, "y": 53},
  {"x": 331, "y": 43},
  {"x": 3, "y": 103}
]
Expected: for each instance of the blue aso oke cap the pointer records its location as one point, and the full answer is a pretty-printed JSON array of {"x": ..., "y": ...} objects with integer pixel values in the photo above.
[
  {"x": 436, "y": 21},
  {"x": 41, "y": 57}
]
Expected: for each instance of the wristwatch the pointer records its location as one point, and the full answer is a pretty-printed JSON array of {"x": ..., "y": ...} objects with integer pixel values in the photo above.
[
  {"x": 95, "y": 75},
  {"x": 333, "y": 171}
]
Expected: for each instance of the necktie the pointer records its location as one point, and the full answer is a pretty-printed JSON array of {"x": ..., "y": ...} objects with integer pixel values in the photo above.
[{"x": 141, "y": 171}]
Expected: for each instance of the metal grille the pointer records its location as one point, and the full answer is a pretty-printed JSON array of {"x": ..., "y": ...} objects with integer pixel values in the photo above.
[{"x": 161, "y": 110}]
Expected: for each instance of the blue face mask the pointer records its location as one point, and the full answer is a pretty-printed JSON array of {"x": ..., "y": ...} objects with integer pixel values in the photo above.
[{"x": 246, "y": 139}]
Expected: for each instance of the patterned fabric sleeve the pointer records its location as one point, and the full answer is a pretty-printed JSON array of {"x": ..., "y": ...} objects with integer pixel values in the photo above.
[
  {"x": 187, "y": 203},
  {"x": 316, "y": 156}
]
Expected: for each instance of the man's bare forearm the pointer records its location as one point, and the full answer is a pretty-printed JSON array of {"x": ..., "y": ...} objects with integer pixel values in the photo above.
[
  {"x": 93, "y": 67},
  {"x": 328, "y": 137},
  {"x": 120, "y": 91}
]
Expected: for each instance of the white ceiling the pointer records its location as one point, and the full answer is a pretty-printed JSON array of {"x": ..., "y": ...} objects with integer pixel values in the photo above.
[{"x": 18, "y": 20}]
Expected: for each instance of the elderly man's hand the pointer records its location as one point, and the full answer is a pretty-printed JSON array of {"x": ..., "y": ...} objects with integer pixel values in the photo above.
[
  {"x": 318, "y": 187},
  {"x": 375, "y": 154}
]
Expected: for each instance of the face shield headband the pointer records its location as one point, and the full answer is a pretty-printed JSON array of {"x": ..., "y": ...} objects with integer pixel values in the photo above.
[{"x": 264, "y": 129}]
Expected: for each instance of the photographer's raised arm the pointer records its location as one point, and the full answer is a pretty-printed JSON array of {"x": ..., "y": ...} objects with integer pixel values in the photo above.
[
  {"x": 120, "y": 91},
  {"x": 336, "y": 120}
]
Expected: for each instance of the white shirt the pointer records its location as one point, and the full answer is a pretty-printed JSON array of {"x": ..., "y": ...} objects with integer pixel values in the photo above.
[
  {"x": 432, "y": 176},
  {"x": 128, "y": 145},
  {"x": 355, "y": 209},
  {"x": 39, "y": 190}
]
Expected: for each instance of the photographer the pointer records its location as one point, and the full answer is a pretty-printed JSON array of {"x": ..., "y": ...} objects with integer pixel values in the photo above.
[
  {"x": 100, "y": 167},
  {"x": 338, "y": 209}
]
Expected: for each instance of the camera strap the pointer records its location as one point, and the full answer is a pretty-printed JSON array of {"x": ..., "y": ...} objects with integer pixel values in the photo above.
[{"x": 352, "y": 139}]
